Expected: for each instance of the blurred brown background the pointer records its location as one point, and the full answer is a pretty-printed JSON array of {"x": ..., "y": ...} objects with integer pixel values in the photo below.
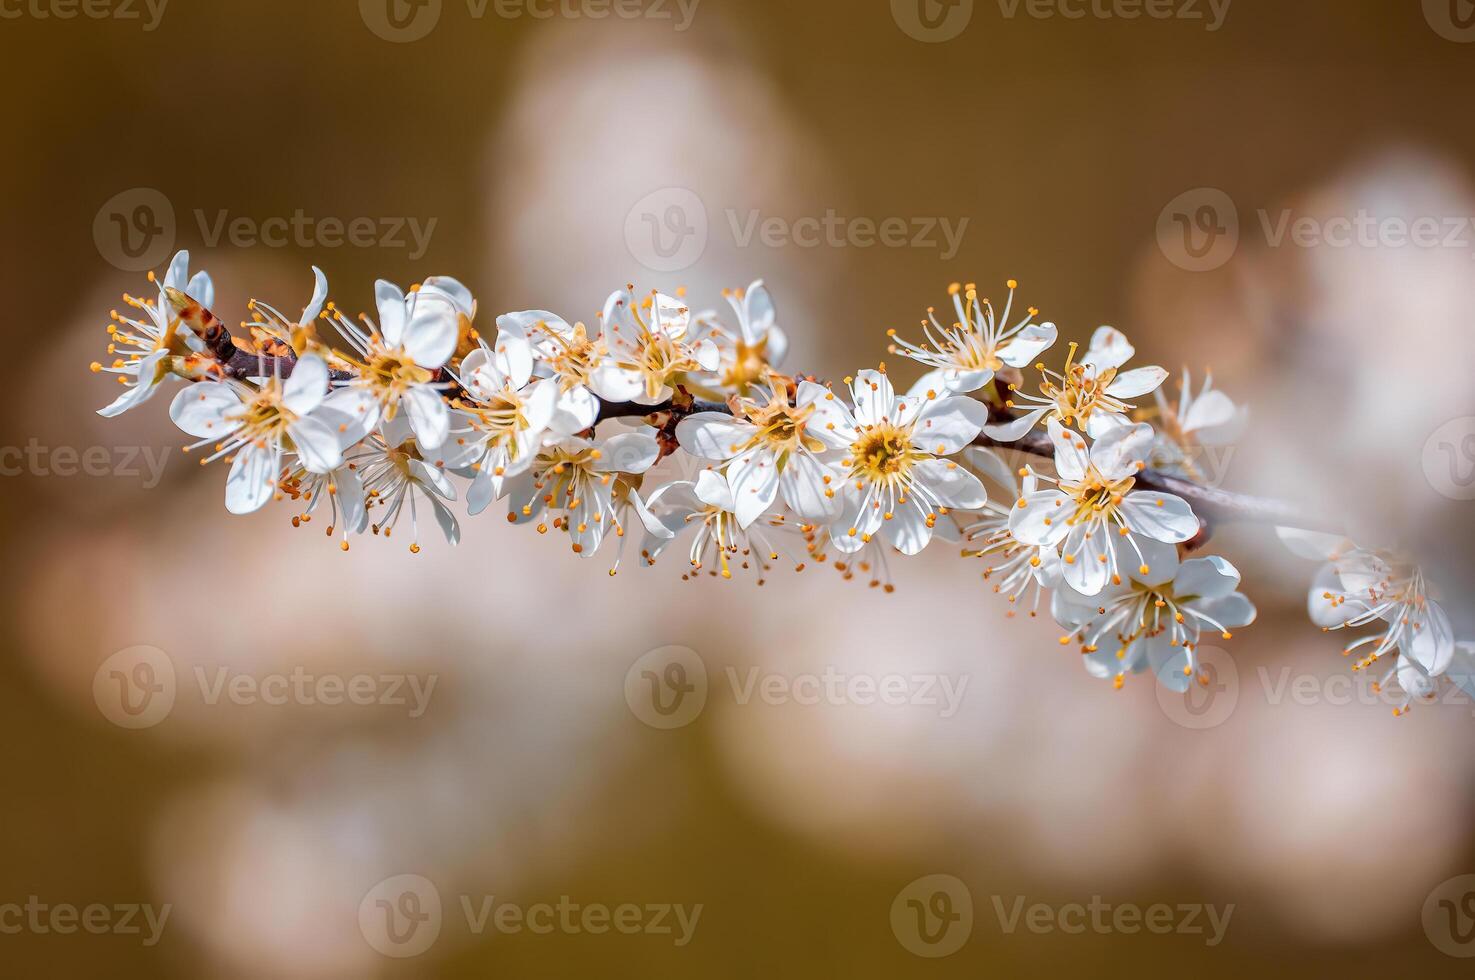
[{"x": 533, "y": 143}]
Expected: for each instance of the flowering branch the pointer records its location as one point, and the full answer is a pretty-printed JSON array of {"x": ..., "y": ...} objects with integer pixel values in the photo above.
[{"x": 1102, "y": 517}]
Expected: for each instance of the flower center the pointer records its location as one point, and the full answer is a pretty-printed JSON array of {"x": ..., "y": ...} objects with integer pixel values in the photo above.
[
  {"x": 264, "y": 419},
  {"x": 882, "y": 454},
  {"x": 782, "y": 427},
  {"x": 750, "y": 364},
  {"x": 1096, "y": 497},
  {"x": 394, "y": 372}
]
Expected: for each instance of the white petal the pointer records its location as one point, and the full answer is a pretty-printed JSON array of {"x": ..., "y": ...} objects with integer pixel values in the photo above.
[
  {"x": 353, "y": 411},
  {"x": 430, "y": 339},
  {"x": 1168, "y": 662},
  {"x": 1209, "y": 577},
  {"x": 805, "y": 488},
  {"x": 628, "y": 452},
  {"x": 308, "y": 385},
  {"x": 319, "y": 297},
  {"x": 831, "y": 422},
  {"x": 1072, "y": 455},
  {"x": 317, "y": 444},
  {"x": 946, "y": 425},
  {"x": 1433, "y": 643},
  {"x": 252, "y": 479},
  {"x": 708, "y": 357},
  {"x": 1231, "y": 611},
  {"x": 712, "y": 489},
  {"x": 514, "y": 356},
  {"x": 907, "y": 530},
  {"x": 952, "y": 485},
  {"x": 713, "y": 435},
  {"x": 201, "y": 409},
  {"x": 446, "y": 520},
  {"x": 1042, "y": 519},
  {"x": 1017, "y": 429},
  {"x": 1160, "y": 516},
  {"x": 991, "y": 466},
  {"x": 348, "y": 490},
  {"x": 1212, "y": 408},
  {"x": 483, "y": 491},
  {"x": 1138, "y": 381},
  {"x": 616, "y": 384},
  {"x": 576, "y": 411},
  {"x": 1313, "y": 545},
  {"x": 753, "y": 478},
  {"x": 1087, "y": 544},
  {"x": 428, "y": 414},
  {"x": 1028, "y": 344},
  {"x": 1120, "y": 452},
  {"x": 873, "y": 396},
  {"x": 177, "y": 275},
  {"x": 390, "y": 300},
  {"x": 1109, "y": 349}
]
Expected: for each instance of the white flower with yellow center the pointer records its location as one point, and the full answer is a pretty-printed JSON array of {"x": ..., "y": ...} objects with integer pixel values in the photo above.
[
  {"x": 1153, "y": 620},
  {"x": 1089, "y": 394},
  {"x": 1361, "y": 588},
  {"x": 587, "y": 483},
  {"x": 773, "y": 448},
  {"x": 567, "y": 354},
  {"x": 1095, "y": 503},
  {"x": 148, "y": 347},
  {"x": 396, "y": 476},
  {"x": 756, "y": 347},
  {"x": 396, "y": 366},
  {"x": 651, "y": 338},
  {"x": 977, "y": 344},
  {"x": 705, "y": 508},
  {"x": 894, "y": 478},
  {"x": 495, "y": 430},
  {"x": 258, "y": 425}
]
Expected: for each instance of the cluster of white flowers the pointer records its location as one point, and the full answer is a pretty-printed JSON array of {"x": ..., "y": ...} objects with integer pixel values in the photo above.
[{"x": 706, "y": 442}]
